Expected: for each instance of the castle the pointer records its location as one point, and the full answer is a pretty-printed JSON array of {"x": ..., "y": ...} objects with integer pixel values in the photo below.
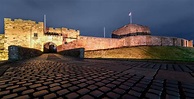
[
  {"x": 27, "y": 33},
  {"x": 30, "y": 34},
  {"x": 128, "y": 35}
]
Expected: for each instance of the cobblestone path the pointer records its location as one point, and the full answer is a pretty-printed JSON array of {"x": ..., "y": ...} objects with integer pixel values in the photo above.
[{"x": 55, "y": 76}]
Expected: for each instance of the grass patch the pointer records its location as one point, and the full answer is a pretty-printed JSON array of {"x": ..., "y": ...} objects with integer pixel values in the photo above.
[{"x": 145, "y": 52}]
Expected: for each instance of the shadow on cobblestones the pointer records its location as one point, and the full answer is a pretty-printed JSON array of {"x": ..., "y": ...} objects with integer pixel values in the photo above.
[{"x": 57, "y": 77}]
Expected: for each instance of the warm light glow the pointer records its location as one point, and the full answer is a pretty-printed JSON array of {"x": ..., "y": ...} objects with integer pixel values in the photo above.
[
  {"x": 32, "y": 36},
  {"x": 50, "y": 38}
]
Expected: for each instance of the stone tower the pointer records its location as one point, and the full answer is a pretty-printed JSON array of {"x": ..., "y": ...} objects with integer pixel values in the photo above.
[
  {"x": 30, "y": 34},
  {"x": 131, "y": 30}
]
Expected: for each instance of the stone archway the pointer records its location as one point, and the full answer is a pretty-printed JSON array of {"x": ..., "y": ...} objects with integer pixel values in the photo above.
[{"x": 50, "y": 47}]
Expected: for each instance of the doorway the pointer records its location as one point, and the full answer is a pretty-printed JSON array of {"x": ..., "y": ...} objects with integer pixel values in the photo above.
[{"x": 50, "y": 47}]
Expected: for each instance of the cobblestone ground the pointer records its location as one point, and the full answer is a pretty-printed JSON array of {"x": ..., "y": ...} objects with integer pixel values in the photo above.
[{"x": 54, "y": 76}]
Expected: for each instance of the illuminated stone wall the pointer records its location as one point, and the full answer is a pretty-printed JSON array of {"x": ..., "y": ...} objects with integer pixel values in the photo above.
[
  {"x": 156, "y": 41},
  {"x": 128, "y": 35},
  {"x": 69, "y": 35},
  {"x": 92, "y": 43},
  {"x": 190, "y": 43},
  {"x": 131, "y": 30},
  {"x": 27, "y": 33},
  {"x": 30, "y": 34},
  {"x": 21, "y": 32},
  {"x": 95, "y": 43},
  {"x": 2, "y": 41},
  {"x": 3, "y": 52}
]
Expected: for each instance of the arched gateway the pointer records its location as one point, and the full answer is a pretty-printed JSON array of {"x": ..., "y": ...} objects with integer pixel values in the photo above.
[
  {"x": 32, "y": 34},
  {"x": 50, "y": 47}
]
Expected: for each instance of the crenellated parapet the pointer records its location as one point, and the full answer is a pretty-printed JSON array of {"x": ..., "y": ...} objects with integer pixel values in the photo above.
[
  {"x": 19, "y": 26},
  {"x": 21, "y": 32},
  {"x": 66, "y": 32},
  {"x": 54, "y": 30},
  {"x": 69, "y": 35}
]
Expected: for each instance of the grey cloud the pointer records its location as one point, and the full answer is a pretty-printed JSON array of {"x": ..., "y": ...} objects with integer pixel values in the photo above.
[{"x": 164, "y": 17}]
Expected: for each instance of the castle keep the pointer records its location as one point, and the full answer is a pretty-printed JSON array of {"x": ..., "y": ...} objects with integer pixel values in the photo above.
[{"x": 30, "y": 34}]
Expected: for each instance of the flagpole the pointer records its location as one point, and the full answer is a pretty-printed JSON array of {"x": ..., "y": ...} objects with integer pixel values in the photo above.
[
  {"x": 131, "y": 18},
  {"x": 44, "y": 23},
  {"x": 130, "y": 15},
  {"x": 104, "y": 32}
]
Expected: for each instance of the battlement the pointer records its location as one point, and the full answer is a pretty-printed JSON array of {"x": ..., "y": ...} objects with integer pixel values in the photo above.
[
  {"x": 52, "y": 34},
  {"x": 61, "y": 30},
  {"x": 66, "y": 32},
  {"x": 19, "y": 20},
  {"x": 20, "y": 25},
  {"x": 7, "y": 19}
]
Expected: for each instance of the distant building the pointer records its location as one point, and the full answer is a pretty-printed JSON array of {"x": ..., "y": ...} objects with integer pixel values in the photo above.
[{"x": 131, "y": 30}]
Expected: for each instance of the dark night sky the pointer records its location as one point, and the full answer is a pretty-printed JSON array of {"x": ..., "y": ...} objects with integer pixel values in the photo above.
[{"x": 165, "y": 17}]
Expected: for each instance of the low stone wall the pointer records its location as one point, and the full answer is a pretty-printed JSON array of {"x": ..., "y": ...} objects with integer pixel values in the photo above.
[
  {"x": 95, "y": 43},
  {"x": 92, "y": 43},
  {"x": 156, "y": 41},
  {"x": 79, "y": 52},
  {"x": 19, "y": 53}
]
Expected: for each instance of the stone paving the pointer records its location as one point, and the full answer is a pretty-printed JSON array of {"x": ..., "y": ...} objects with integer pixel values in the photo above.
[{"x": 55, "y": 76}]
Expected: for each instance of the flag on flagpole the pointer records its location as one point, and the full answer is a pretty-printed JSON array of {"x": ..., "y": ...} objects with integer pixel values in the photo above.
[
  {"x": 104, "y": 33},
  {"x": 44, "y": 23},
  {"x": 130, "y": 14}
]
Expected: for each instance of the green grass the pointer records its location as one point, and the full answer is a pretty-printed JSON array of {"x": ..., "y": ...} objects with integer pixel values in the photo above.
[{"x": 145, "y": 52}]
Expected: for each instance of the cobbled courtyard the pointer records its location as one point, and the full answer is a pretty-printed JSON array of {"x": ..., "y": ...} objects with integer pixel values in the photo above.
[{"x": 55, "y": 76}]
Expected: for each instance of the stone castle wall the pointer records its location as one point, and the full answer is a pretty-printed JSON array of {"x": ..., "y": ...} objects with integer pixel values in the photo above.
[
  {"x": 3, "y": 52},
  {"x": 92, "y": 43},
  {"x": 95, "y": 43},
  {"x": 69, "y": 35},
  {"x": 2, "y": 41},
  {"x": 19, "y": 53},
  {"x": 156, "y": 41},
  {"x": 27, "y": 33},
  {"x": 22, "y": 33}
]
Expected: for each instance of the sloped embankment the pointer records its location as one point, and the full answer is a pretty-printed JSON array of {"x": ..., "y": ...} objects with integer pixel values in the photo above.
[{"x": 145, "y": 52}]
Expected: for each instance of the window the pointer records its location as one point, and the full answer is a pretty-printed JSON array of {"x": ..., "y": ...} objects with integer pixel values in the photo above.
[{"x": 35, "y": 34}]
